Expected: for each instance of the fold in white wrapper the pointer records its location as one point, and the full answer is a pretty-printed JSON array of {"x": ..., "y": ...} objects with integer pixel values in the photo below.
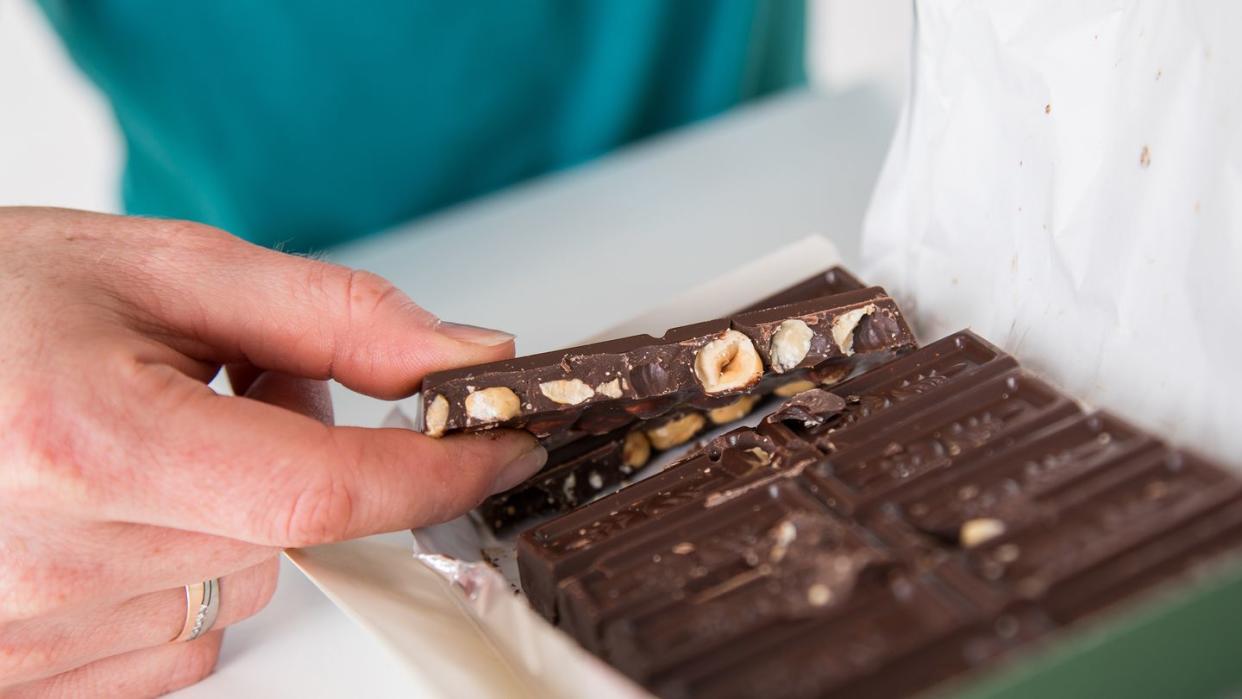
[
  {"x": 452, "y": 614},
  {"x": 1067, "y": 181}
]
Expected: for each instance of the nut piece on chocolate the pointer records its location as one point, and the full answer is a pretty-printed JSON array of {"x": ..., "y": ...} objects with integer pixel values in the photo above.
[
  {"x": 980, "y": 530},
  {"x": 790, "y": 344},
  {"x": 492, "y": 405},
  {"x": 832, "y": 373},
  {"x": 436, "y": 416},
  {"x": 676, "y": 430},
  {"x": 568, "y": 391},
  {"x": 635, "y": 451},
  {"x": 793, "y": 388},
  {"x": 735, "y": 410},
  {"x": 844, "y": 325},
  {"x": 612, "y": 388},
  {"x": 728, "y": 363}
]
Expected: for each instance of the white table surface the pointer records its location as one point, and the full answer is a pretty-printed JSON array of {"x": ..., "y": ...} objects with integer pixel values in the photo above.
[{"x": 564, "y": 257}]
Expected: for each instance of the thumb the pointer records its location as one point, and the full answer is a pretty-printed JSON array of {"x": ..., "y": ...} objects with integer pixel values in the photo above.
[{"x": 307, "y": 318}]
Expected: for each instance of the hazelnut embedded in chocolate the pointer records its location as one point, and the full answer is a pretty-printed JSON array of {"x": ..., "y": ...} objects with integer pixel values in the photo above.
[
  {"x": 675, "y": 431},
  {"x": 728, "y": 363},
  {"x": 735, "y": 410},
  {"x": 435, "y": 417},
  {"x": 612, "y": 389},
  {"x": 793, "y": 388},
  {"x": 566, "y": 391},
  {"x": 790, "y": 344},
  {"x": 843, "y": 327},
  {"x": 830, "y": 374},
  {"x": 495, "y": 404},
  {"x": 636, "y": 450},
  {"x": 975, "y": 532}
]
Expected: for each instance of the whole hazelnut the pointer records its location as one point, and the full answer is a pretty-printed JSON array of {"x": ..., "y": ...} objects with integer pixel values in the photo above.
[
  {"x": 636, "y": 450},
  {"x": 728, "y": 363},
  {"x": 790, "y": 344},
  {"x": 735, "y": 410},
  {"x": 677, "y": 430},
  {"x": 793, "y": 388}
]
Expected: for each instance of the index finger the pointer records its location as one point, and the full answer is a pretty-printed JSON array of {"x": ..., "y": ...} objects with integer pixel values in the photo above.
[{"x": 217, "y": 298}]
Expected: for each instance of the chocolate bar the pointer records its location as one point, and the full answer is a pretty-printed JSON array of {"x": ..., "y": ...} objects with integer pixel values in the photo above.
[
  {"x": 834, "y": 280},
  {"x": 727, "y": 466},
  {"x": 600, "y": 387},
  {"x": 575, "y": 472},
  {"x": 983, "y": 414},
  {"x": 932, "y": 517}
]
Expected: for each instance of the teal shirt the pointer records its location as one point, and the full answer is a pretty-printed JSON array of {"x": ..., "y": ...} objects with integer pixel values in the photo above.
[{"x": 304, "y": 123}]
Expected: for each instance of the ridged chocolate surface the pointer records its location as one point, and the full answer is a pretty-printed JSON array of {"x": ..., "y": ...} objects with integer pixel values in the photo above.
[{"x": 926, "y": 519}]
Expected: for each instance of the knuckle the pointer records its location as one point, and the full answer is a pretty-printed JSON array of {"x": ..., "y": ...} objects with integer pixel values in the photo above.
[
  {"x": 356, "y": 292},
  {"x": 26, "y": 426},
  {"x": 29, "y": 589},
  {"x": 368, "y": 293},
  {"x": 355, "y": 299},
  {"x": 22, "y": 660},
  {"x": 318, "y": 512}
]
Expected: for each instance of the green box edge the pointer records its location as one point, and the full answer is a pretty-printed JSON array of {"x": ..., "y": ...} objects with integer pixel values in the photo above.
[{"x": 1184, "y": 642}]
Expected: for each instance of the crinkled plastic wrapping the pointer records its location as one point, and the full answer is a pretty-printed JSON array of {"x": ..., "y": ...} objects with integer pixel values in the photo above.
[{"x": 1067, "y": 180}]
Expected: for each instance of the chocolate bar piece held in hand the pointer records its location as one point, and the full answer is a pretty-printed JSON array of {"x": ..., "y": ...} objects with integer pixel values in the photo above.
[
  {"x": 599, "y": 387},
  {"x": 575, "y": 472}
]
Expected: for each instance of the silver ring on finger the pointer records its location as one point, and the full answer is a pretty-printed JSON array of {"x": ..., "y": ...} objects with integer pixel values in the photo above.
[{"x": 202, "y": 606}]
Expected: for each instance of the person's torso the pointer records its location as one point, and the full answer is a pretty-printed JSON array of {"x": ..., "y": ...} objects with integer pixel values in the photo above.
[{"x": 306, "y": 123}]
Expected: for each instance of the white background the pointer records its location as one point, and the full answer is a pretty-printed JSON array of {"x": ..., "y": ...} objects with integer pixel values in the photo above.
[{"x": 58, "y": 144}]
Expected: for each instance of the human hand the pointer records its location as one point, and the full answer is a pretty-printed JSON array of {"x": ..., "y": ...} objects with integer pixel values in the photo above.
[{"x": 123, "y": 477}]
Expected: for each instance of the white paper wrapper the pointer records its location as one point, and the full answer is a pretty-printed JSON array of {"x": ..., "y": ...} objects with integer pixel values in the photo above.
[
  {"x": 1067, "y": 181},
  {"x": 452, "y": 613}
]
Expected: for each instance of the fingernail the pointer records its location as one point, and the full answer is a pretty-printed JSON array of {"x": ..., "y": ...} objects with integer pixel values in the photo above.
[
  {"x": 520, "y": 469},
  {"x": 473, "y": 334}
]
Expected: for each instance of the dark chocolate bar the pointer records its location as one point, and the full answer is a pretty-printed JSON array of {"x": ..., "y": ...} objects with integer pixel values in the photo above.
[
  {"x": 934, "y": 517},
  {"x": 600, "y": 387},
  {"x": 906, "y": 386},
  {"x": 835, "y": 280},
  {"x": 726, "y": 467},
  {"x": 763, "y": 536},
  {"x": 874, "y": 629},
  {"x": 979, "y": 415},
  {"x": 575, "y": 473}
]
